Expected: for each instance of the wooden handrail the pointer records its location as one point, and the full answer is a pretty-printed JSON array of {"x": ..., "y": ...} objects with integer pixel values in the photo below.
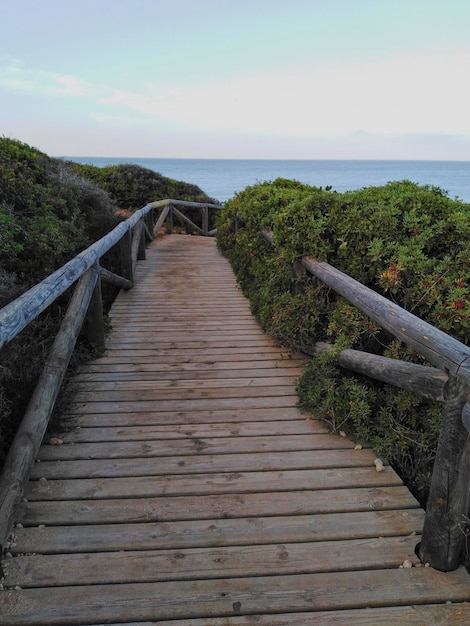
[
  {"x": 85, "y": 270},
  {"x": 448, "y": 505}
]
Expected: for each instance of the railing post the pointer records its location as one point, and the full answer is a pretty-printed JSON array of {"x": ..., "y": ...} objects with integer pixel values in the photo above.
[
  {"x": 170, "y": 220},
  {"x": 447, "y": 524},
  {"x": 205, "y": 220},
  {"x": 149, "y": 222},
  {"x": 126, "y": 256},
  {"x": 298, "y": 272},
  {"x": 94, "y": 322},
  {"x": 141, "y": 250}
]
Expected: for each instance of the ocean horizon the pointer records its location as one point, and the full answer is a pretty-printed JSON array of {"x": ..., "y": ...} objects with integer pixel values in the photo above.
[{"x": 221, "y": 179}]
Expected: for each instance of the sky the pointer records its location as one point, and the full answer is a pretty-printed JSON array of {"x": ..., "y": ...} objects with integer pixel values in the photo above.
[{"x": 284, "y": 79}]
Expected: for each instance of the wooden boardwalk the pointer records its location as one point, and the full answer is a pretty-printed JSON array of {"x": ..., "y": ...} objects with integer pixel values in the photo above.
[{"x": 190, "y": 491}]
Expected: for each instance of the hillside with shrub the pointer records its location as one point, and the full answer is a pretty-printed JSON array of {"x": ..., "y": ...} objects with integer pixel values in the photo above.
[
  {"x": 50, "y": 210},
  {"x": 408, "y": 242}
]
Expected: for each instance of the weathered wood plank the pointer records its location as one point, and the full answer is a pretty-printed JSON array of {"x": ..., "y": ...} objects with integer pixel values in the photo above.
[
  {"x": 211, "y": 598},
  {"x": 196, "y": 404},
  {"x": 148, "y": 392},
  {"x": 213, "y": 483},
  {"x": 188, "y": 418},
  {"x": 194, "y": 445},
  {"x": 199, "y": 563},
  {"x": 205, "y": 384},
  {"x": 218, "y": 532},
  {"x": 182, "y": 354},
  {"x": 259, "y": 461},
  {"x": 254, "y": 367},
  {"x": 169, "y": 372},
  {"x": 212, "y": 507},
  {"x": 243, "y": 429},
  {"x": 416, "y": 615},
  {"x": 195, "y": 344},
  {"x": 132, "y": 335},
  {"x": 189, "y": 322}
]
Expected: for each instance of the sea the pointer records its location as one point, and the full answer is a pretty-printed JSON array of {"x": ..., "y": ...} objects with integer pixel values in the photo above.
[{"x": 221, "y": 179}]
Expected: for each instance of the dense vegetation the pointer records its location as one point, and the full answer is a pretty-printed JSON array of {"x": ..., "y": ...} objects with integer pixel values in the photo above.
[
  {"x": 49, "y": 211},
  {"x": 131, "y": 186},
  {"x": 410, "y": 243}
]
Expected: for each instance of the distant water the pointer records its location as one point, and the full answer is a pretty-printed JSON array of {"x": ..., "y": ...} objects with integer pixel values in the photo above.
[{"x": 222, "y": 178}]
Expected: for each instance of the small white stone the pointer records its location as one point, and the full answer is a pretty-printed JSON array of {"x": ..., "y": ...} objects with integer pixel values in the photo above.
[
  {"x": 358, "y": 446},
  {"x": 379, "y": 465},
  {"x": 407, "y": 564}
]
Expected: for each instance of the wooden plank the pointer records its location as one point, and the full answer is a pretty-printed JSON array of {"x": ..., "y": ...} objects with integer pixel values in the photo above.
[
  {"x": 242, "y": 384},
  {"x": 209, "y": 483},
  {"x": 217, "y": 532},
  {"x": 189, "y": 323},
  {"x": 192, "y": 446},
  {"x": 132, "y": 335},
  {"x": 178, "y": 354},
  {"x": 212, "y": 507},
  {"x": 242, "y": 429},
  {"x": 172, "y": 357},
  {"x": 149, "y": 394},
  {"x": 416, "y": 615},
  {"x": 194, "y": 373},
  {"x": 126, "y": 363},
  {"x": 184, "y": 417},
  {"x": 195, "y": 404},
  {"x": 199, "y": 563},
  {"x": 195, "y": 344},
  {"x": 248, "y": 596},
  {"x": 259, "y": 461}
]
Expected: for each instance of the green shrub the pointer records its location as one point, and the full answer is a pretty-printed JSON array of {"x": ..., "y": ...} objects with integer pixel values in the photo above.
[
  {"x": 409, "y": 243},
  {"x": 132, "y": 187}
]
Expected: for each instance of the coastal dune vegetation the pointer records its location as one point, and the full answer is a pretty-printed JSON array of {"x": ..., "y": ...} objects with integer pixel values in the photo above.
[
  {"x": 50, "y": 210},
  {"x": 408, "y": 242}
]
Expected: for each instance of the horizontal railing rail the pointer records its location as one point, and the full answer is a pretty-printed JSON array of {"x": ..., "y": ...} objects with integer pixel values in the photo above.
[
  {"x": 447, "y": 514},
  {"x": 85, "y": 304}
]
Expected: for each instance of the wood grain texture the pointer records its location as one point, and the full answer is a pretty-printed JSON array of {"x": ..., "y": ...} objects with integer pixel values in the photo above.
[{"x": 187, "y": 488}]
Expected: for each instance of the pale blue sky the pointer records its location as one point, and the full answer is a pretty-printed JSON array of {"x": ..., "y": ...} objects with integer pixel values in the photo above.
[{"x": 319, "y": 79}]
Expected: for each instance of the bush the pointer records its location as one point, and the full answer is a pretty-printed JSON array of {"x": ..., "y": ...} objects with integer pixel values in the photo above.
[
  {"x": 132, "y": 187},
  {"x": 409, "y": 243}
]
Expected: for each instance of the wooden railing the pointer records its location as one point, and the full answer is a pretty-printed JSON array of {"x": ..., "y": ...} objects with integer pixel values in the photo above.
[
  {"x": 86, "y": 303},
  {"x": 447, "y": 524}
]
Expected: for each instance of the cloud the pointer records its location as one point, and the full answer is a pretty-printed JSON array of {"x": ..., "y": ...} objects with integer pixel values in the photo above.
[
  {"x": 15, "y": 78},
  {"x": 422, "y": 93}
]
